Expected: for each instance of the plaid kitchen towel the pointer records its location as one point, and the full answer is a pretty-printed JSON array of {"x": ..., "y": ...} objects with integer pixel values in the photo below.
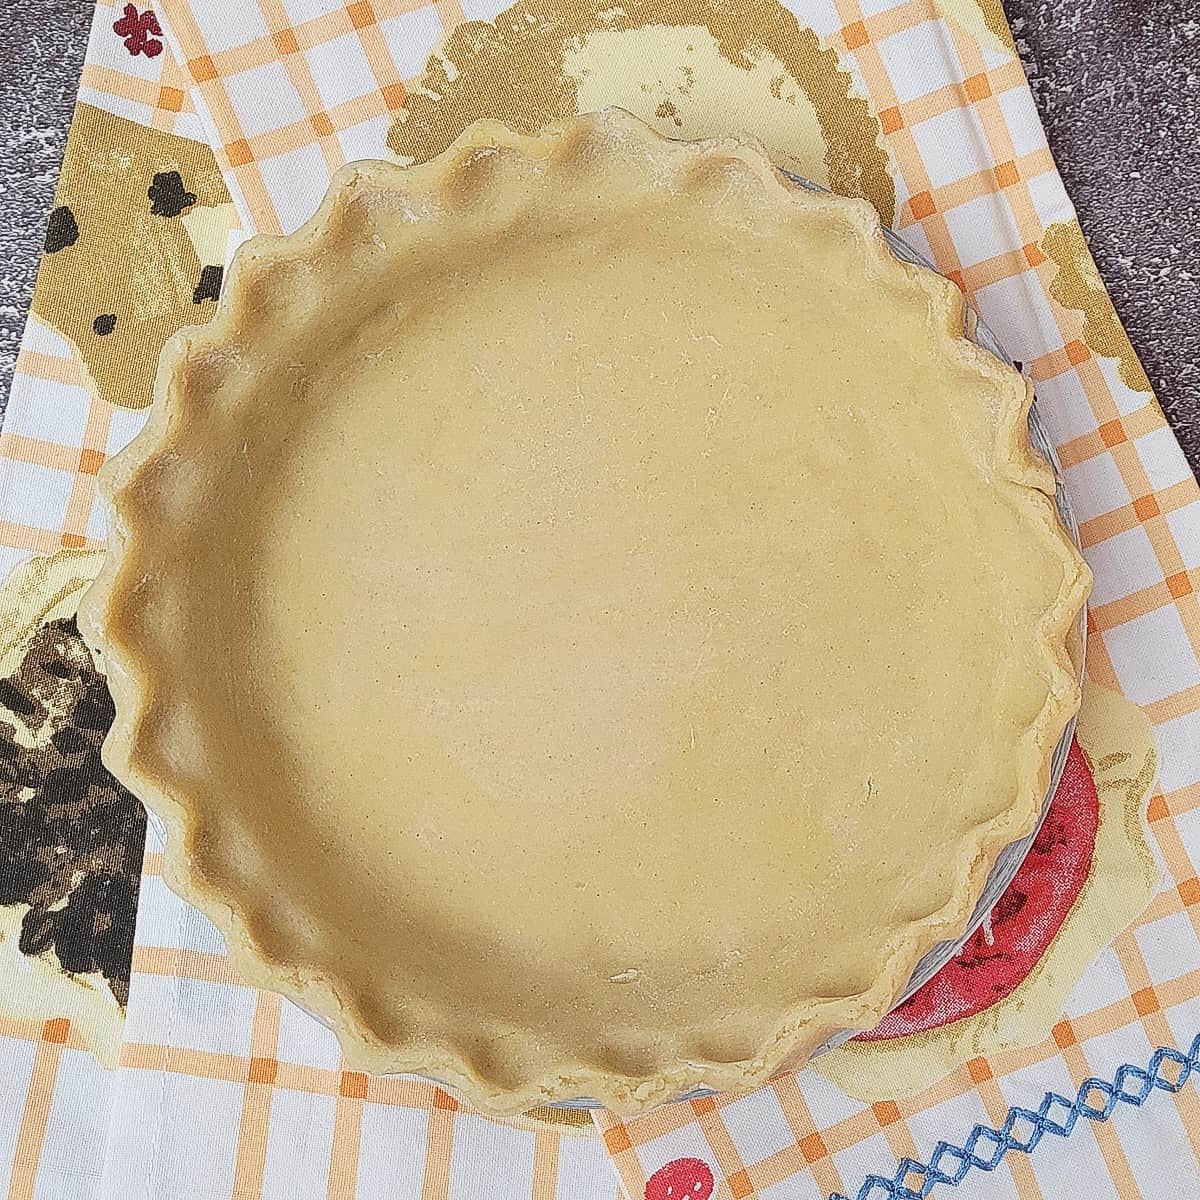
[{"x": 210, "y": 117}]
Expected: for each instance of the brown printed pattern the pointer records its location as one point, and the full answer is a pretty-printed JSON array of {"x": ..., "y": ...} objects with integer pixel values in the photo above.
[{"x": 70, "y": 834}]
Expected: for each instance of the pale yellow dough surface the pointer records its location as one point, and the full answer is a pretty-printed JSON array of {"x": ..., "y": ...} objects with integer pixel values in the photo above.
[{"x": 585, "y": 615}]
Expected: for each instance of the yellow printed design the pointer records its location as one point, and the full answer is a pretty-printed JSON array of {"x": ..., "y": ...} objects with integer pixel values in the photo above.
[
  {"x": 983, "y": 19},
  {"x": 1078, "y": 285},
  {"x": 690, "y": 68}
]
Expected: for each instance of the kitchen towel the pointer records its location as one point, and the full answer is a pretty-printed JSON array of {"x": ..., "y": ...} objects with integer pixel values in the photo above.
[{"x": 217, "y": 120}]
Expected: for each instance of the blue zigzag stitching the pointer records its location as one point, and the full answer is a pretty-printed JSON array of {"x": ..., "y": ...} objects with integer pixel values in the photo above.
[{"x": 986, "y": 1147}]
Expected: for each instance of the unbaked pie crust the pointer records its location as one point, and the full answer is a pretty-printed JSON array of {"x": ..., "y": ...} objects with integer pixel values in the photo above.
[{"x": 585, "y": 615}]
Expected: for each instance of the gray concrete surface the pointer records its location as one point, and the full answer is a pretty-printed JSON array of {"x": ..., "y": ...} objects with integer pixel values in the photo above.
[
  {"x": 1117, "y": 83},
  {"x": 1118, "y": 86},
  {"x": 40, "y": 58}
]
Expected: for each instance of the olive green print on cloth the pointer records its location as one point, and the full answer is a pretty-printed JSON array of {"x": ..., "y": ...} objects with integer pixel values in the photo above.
[{"x": 135, "y": 248}]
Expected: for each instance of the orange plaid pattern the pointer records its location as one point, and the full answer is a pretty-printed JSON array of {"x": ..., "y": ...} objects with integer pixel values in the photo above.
[
  {"x": 48, "y": 491},
  {"x": 256, "y": 79},
  {"x": 46, "y": 1064},
  {"x": 270, "y": 1067},
  {"x": 326, "y": 126}
]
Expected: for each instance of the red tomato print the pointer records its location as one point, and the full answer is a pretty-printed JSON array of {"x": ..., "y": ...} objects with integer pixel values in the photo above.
[
  {"x": 681, "y": 1179},
  {"x": 1006, "y": 948}
]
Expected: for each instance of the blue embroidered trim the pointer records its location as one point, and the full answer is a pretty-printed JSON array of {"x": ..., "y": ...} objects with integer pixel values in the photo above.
[{"x": 1022, "y": 1129}]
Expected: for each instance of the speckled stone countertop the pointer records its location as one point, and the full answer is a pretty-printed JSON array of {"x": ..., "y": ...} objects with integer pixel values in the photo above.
[{"x": 1117, "y": 83}]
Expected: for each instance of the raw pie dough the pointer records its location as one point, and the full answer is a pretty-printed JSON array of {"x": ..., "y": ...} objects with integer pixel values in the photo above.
[{"x": 586, "y": 617}]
